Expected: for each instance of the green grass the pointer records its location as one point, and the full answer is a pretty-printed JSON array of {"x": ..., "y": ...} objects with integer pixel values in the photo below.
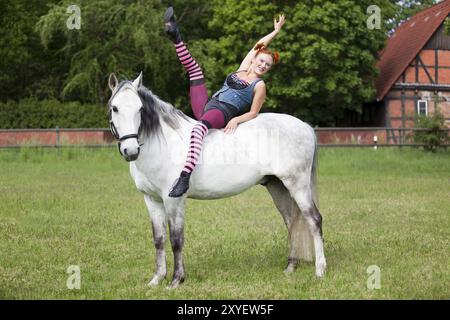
[{"x": 388, "y": 208}]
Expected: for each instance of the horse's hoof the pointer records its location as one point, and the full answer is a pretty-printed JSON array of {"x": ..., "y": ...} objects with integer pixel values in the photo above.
[
  {"x": 175, "y": 283},
  {"x": 290, "y": 268},
  {"x": 156, "y": 280},
  {"x": 173, "y": 286},
  {"x": 320, "y": 269}
]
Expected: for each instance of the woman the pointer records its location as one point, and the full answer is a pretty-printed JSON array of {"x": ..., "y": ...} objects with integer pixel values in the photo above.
[{"x": 226, "y": 109}]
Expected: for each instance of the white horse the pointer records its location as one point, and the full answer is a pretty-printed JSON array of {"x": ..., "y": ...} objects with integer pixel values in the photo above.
[{"x": 275, "y": 150}]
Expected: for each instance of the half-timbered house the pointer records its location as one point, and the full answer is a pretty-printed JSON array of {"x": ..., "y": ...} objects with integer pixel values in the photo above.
[{"x": 414, "y": 67}]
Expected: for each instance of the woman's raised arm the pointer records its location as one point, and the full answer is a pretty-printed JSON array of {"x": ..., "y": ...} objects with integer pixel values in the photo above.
[{"x": 265, "y": 41}]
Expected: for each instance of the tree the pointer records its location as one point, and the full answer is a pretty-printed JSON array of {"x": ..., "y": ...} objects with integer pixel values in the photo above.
[
  {"x": 405, "y": 9},
  {"x": 123, "y": 37},
  {"x": 24, "y": 67},
  {"x": 328, "y": 54}
]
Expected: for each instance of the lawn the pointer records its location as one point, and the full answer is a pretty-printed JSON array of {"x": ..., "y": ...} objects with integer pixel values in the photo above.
[{"x": 389, "y": 208}]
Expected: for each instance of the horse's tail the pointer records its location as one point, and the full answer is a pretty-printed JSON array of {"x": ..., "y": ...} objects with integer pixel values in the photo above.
[
  {"x": 313, "y": 182},
  {"x": 302, "y": 243},
  {"x": 301, "y": 238}
]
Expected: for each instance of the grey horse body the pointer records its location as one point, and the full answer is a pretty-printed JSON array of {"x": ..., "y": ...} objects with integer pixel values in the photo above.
[{"x": 275, "y": 150}]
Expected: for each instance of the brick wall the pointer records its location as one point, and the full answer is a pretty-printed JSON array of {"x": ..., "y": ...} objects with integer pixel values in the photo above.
[
  {"x": 52, "y": 137},
  {"x": 336, "y": 136},
  {"x": 104, "y": 137}
]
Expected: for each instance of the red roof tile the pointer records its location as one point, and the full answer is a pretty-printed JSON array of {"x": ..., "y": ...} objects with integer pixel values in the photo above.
[{"x": 404, "y": 45}]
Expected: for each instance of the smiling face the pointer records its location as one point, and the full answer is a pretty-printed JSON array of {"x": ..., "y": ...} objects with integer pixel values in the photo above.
[{"x": 262, "y": 63}]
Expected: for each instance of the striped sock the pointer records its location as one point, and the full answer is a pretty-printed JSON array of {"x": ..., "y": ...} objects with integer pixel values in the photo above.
[
  {"x": 191, "y": 66},
  {"x": 198, "y": 133}
]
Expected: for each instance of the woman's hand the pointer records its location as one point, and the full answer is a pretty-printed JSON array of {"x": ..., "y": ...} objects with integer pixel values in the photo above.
[
  {"x": 231, "y": 126},
  {"x": 278, "y": 24}
]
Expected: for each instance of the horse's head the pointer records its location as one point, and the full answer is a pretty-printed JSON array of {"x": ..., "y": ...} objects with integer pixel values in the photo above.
[{"x": 125, "y": 108}]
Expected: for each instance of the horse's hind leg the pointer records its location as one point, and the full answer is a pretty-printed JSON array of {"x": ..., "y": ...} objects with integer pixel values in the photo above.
[
  {"x": 314, "y": 219},
  {"x": 300, "y": 241},
  {"x": 300, "y": 190},
  {"x": 158, "y": 217}
]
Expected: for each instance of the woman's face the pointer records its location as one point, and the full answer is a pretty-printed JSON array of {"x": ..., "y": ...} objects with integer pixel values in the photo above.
[{"x": 262, "y": 64}]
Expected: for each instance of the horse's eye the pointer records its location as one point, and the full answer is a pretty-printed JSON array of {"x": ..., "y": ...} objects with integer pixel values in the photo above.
[{"x": 115, "y": 109}]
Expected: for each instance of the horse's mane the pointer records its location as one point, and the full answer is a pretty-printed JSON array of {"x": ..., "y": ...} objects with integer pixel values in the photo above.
[{"x": 154, "y": 110}]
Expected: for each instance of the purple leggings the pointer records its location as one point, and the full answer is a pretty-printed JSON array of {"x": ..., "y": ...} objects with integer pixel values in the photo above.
[
  {"x": 199, "y": 98},
  {"x": 212, "y": 118}
]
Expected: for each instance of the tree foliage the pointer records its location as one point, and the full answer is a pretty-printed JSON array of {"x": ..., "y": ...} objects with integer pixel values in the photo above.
[
  {"x": 408, "y": 8},
  {"x": 447, "y": 26},
  {"x": 24, "y": 66},
  {"x": 51, "y": 113},
  {"x": 435, "y": 137},
  {"x": 327, "y": 52},
  {"x": 114, "y": 36}
]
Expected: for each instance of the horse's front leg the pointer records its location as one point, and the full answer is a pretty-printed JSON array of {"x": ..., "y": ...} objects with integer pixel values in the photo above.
[
  {"x": 175, "y": 210},
  {"x": 158, "y": 217}
]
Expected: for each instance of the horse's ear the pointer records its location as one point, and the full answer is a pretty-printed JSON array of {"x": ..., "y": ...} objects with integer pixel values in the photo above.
[
  {"x": 112, "y": 82},
  {"x": 138, "y": 82}
]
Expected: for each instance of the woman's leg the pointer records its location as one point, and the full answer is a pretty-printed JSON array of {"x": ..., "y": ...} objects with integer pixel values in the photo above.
[
  {"x": 198, "y": 91},
  {"x": 197, "y": 86},
  {"x": 213, "y": 118}
]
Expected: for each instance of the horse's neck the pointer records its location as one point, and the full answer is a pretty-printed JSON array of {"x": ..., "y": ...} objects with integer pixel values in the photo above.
[
  {"x": 164, "y": 145},
  {"x": 180, "y": 134},
  {"x": 186, "y": 124}
]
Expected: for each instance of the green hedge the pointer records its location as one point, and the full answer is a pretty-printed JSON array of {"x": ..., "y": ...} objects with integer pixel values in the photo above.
[
  {"x": 32, "y": 113},
  {"x": 434, "y": 138}
]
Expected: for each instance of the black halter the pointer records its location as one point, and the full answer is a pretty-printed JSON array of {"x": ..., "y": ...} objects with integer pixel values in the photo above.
[
  {"x": 120, "y": 139},
  {"x": 114, "y": 131}
]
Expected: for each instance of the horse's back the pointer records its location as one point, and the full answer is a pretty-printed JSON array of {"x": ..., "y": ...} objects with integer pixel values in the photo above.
[
  {"x": 293, "y": 141},
  {"x": 280, "y": 122},
  {"x": 281, "y": 133},
  {"x": 280, "y": 118},
  {"x": 271, "y": 144}
]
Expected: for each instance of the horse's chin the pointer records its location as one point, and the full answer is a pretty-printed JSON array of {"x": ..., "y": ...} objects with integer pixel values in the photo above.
[{"x": 130, "y": 158}]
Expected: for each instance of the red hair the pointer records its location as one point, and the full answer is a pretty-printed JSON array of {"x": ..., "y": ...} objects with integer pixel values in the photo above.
[{"x": 261, "y": 48}]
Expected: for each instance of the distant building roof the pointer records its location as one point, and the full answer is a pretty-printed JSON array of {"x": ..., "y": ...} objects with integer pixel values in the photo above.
[{"x": 405, "y": 44}]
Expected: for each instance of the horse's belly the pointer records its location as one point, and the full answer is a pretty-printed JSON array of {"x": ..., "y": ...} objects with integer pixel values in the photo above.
[{"x": 226, "y": 181}]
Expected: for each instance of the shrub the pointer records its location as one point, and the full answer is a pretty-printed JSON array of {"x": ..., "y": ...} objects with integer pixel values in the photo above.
[
  {"x": 435, "y": 136},
  {"x": 43, "y": 114}
]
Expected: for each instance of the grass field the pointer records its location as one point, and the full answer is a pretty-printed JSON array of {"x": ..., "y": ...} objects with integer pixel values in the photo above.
[{"x": 389, "y": 208}]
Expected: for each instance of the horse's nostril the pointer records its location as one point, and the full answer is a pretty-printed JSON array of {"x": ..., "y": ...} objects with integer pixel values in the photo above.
[{"x": 125, "y": 151}]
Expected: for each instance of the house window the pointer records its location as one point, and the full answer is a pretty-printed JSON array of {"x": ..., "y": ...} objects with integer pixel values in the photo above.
[{"x": 422, "y": 107}]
